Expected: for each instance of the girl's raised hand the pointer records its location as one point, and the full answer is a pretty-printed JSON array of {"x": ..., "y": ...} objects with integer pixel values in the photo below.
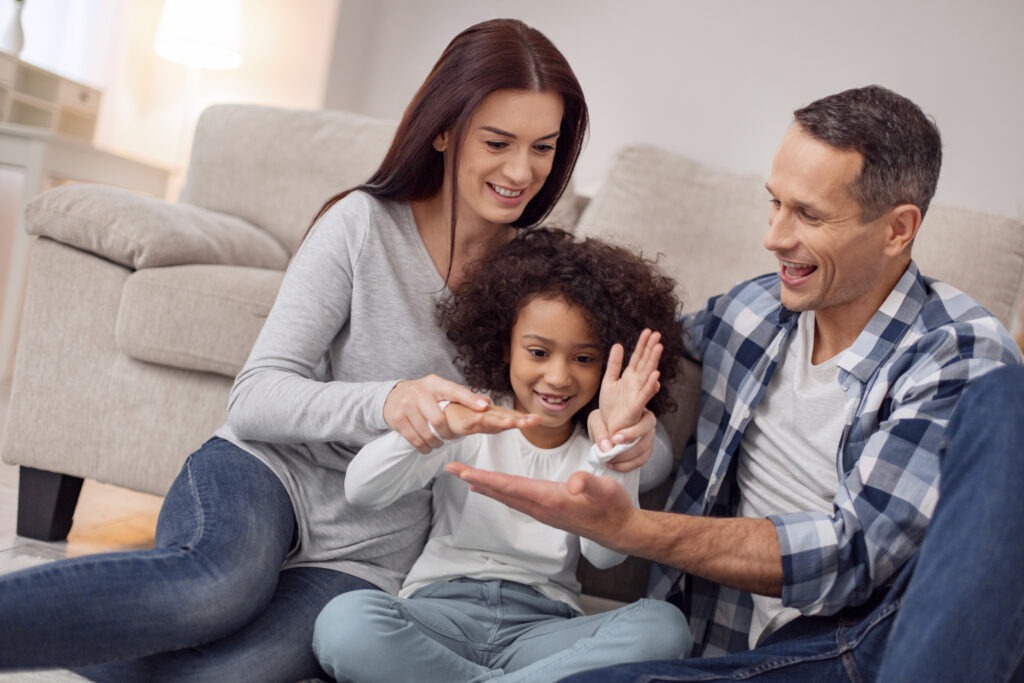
[
  {"x": 625, "y": 393},
  {"x": 412, "y": 408}
]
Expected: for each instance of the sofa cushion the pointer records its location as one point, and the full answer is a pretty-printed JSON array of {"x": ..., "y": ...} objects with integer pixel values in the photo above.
[
  {"x": 276, "y": 167},
  {"x": 195, "y": 317},
  {"x": 706, "y": 224},
  {"x": 978, "y": 253},
  {"x": 139, "y": 231}
]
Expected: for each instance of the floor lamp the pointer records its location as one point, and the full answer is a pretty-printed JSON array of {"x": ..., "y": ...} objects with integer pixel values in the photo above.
[{"x": 201, "y": 34}]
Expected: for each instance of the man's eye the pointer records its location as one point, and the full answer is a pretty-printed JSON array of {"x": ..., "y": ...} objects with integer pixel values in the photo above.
[{"x": 810, "y": 217}]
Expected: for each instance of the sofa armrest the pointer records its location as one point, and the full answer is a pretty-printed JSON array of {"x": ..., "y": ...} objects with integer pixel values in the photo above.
[{"x": 139, "y": 231}]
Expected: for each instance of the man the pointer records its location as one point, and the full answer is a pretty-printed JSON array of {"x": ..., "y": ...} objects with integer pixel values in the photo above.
[{"x": 826, "y": 391}]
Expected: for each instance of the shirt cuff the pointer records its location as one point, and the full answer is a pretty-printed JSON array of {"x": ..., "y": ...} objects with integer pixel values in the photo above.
[{"x": 809, "y": 547}]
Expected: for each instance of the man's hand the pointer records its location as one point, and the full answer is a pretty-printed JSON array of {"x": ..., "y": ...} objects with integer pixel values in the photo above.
[
  {"x": 742, "y": 552},
  {"x": 412, "y": 408},
  {"x": 593, "y": 507}
]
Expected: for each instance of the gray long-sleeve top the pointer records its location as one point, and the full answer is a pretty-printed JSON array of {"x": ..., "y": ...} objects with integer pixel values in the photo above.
[{"x": 354, "y": 315}]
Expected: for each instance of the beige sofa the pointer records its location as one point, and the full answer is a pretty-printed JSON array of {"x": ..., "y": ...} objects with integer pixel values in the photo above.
[{"x": 140, "y": 311}]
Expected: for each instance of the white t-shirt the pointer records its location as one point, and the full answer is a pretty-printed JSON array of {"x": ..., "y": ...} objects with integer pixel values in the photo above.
[{"x": 787, "y": 457}]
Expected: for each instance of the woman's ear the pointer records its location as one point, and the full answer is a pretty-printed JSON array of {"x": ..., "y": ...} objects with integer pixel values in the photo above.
[{"x": 441, "y": 141}]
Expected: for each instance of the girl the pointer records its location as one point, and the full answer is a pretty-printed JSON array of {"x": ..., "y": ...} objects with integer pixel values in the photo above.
[
  {"x": 253, "y": 538},
  {"x": 494, "y": 594}
]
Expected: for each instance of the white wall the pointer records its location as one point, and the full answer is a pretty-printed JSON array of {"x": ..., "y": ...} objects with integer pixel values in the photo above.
[{"x": 717, "y": 80}]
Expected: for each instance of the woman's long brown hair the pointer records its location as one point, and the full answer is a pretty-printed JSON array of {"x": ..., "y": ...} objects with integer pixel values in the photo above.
[{"x": 499, "y": 54}]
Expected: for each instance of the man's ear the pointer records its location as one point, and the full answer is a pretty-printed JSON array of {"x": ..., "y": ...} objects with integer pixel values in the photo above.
[
  {"x": 904, "y": 222},
  {"x": 441, "y": 141}
]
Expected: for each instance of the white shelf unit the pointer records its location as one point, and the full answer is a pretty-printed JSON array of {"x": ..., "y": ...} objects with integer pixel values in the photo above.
[{"x": 34, "y": 97}]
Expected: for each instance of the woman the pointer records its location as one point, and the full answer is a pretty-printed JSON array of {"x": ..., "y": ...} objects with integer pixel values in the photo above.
[{"x": 254, "y": 536}]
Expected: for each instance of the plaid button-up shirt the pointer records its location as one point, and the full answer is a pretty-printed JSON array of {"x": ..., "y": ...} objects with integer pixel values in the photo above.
[{"x": 902, "y": 377}]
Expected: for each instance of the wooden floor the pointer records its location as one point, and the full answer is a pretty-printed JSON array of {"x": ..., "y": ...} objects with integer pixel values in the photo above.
[{"x": 107, "y": 517}]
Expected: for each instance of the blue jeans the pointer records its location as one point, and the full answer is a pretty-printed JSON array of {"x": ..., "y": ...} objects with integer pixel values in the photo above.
[
  {"x": 954, "y": 613},
  {"x": 208, "y": 602},
  {"x": 470, "y": 630}
]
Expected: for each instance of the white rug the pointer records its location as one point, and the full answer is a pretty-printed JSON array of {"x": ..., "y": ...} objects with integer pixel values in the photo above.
[{"x": 10, "y": 562}]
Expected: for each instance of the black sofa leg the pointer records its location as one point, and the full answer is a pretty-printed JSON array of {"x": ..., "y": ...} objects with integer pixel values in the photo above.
[{"x": 46, "y": 503}]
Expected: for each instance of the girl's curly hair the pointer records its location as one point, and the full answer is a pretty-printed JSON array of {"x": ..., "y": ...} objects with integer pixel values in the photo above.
[{"x": 619, "y": 292}]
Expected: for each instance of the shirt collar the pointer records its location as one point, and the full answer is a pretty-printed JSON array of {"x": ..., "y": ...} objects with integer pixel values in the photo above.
[{"x": 885, "y": 328}]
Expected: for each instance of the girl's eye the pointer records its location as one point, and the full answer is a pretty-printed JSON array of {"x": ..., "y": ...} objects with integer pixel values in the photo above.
[
  {"x": 537, "y": 353},
  {"x": 585, "y": 360}
]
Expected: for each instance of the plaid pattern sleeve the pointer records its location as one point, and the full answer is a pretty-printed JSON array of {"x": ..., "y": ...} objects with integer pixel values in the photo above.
[{"x": 903, "y": 376}]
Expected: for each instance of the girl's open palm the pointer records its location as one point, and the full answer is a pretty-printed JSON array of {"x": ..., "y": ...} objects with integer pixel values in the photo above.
[{"x": 625, "y": 392}]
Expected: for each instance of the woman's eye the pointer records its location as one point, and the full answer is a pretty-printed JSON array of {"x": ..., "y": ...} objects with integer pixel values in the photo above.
[
  {"x": 544, "y": 147},
  {"x": 496, "y": 144}
]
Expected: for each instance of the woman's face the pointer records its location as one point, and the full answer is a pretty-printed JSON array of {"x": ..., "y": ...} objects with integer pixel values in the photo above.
[{"x": 506, "y": 155}]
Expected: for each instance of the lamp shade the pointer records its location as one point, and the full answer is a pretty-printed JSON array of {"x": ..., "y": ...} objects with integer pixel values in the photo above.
[{"x": 202, "y": 33}]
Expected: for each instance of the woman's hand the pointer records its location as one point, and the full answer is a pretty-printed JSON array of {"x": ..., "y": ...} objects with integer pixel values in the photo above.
[
  {"x": 463, "y": 421},
  {"x": 412, "y": 408},
  {"x": 638, "y": 454}
]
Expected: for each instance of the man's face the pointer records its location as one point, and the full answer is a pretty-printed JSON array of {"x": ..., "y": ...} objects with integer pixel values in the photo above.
[{"x": 830, "y": 261}]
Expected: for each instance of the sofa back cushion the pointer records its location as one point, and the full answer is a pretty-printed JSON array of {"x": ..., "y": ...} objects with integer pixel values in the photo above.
[
  {"x": 704, "y": 224},
  {"x": 978, "y": 253},
  {"x": 276, "y": 167}
]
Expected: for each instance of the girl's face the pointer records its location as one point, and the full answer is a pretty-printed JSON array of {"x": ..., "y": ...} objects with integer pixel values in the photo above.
[
  {"x": 555, "y": 367},
  {"x": 506, "y": 155}
]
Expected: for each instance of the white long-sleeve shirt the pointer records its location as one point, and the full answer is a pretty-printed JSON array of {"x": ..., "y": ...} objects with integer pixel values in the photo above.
[{"x": 474, "y": 536}]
